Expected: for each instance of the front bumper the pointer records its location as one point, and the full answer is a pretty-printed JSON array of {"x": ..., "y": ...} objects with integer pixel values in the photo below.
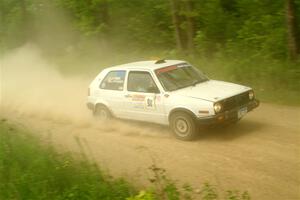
[{"x": 227, "y": 116}]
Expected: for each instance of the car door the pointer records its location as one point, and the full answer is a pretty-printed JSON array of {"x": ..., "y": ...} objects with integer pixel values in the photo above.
[{"x": 143, "y": 99}]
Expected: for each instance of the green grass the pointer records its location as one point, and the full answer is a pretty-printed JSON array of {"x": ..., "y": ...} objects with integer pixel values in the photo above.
[{"x": 32, "y": 169}]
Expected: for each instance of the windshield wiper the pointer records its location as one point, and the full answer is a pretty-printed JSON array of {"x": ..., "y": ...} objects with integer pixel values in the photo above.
[
  {"x": 188, "y": 85},
  {"x": 198, "y": 81}
]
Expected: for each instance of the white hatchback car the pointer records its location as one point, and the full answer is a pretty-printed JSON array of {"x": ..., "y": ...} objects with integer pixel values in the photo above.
[{"x": 169, "y": 92}]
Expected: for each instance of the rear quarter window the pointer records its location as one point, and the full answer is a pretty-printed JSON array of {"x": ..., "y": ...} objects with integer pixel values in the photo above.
[{"x": 114, "y": 80}]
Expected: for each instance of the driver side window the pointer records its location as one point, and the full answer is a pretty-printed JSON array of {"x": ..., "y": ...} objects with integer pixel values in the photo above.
[{"x": 139, "y": 81}]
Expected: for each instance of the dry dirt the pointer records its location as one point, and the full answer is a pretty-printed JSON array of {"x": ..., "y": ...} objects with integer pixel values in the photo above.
[{"x": 260, "y": 154}]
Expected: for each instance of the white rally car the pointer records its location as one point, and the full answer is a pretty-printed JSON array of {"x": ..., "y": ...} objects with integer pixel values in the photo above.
[{"x": 169, "y": 92}]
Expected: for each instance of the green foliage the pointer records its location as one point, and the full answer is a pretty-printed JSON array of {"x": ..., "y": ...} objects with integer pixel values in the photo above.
[
  {"x": 247, "y": 27},
  {"x": 235, "y": 195},
  {"x": 30, "y": 171},
  {"x": 143, "y": 195},
  {"x": 251, "y": 27},
  {"x": 208, "y": 192},
  {"x": 167, "y": 189},
  {"x": 236, "y": 40},
  {"x": 88, "y": 16},
  {"x": 12, "y": 21}
]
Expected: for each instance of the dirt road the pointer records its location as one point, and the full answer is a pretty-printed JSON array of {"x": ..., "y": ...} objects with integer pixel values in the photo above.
[{"x": 260, "y": 154}]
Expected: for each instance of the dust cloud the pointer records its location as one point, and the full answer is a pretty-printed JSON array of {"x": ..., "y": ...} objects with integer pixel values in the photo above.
[
  {"x": 29, "y": 84},
  {"x": 33, "y": 87}
]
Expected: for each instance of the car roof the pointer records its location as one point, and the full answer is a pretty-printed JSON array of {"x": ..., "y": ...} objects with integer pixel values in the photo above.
[{"x": 148, "y": 65}]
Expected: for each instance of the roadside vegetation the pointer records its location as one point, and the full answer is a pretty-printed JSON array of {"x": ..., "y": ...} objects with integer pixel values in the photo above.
[
  {"x": 31, "y": 168},
  {"x": 256, "y": 43}
]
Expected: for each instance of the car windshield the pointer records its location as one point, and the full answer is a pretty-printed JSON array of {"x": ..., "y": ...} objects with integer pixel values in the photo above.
[{"x": 179, "y": 76}]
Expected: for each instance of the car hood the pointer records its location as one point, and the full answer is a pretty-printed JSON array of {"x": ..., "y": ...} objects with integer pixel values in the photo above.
[{"x": 212, "y": 90}]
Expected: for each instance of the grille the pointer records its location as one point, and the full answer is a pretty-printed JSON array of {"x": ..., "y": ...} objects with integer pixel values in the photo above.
[{"x": 235, "y": 101}]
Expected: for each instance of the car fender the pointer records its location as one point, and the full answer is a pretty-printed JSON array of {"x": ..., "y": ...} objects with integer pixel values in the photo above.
[
  {"x": 181, "y": 109},
  {"x": 102, "y": 102},
  {"x": 191, "y": 106}
]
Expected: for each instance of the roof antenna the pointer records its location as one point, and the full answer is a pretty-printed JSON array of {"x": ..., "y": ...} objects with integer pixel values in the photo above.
[{"x": 160, "y": 61}]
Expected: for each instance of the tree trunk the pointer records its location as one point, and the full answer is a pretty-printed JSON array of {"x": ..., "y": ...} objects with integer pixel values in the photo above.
[
  {"x": 190, "y": 21},
  {"x": 293, "y": 37},
  {"x": 175, "y": 7},
  {"x": 104, "y": 12}
]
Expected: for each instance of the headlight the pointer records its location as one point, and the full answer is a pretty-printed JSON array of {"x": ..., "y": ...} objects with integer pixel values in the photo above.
[
  {"x": 217, "y": 107},
  {"x": 251, "y": 95}
]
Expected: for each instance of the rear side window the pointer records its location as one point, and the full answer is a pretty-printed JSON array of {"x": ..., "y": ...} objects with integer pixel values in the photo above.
[{"x": 114, "y": 80}]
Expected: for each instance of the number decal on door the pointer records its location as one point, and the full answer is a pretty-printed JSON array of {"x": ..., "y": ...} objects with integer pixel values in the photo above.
[{"x": 150, "y": 103}]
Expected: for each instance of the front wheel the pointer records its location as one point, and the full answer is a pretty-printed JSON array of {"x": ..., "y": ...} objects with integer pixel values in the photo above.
[
  {"x": 102, "y": 113},
  {"x": 183, "y": 126}
]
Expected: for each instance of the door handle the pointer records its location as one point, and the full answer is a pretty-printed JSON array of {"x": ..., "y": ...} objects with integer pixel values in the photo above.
[{"x": 127, "y": 95}]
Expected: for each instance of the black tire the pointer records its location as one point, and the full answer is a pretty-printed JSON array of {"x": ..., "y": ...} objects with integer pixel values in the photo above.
[
  {"x": 102, "y": 113},
  {"x": 183, "y": 126}
]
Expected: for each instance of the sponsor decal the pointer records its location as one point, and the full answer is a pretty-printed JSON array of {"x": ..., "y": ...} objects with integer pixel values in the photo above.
[
  {"x": 170, "y": 68},
  {"x": 165, "y": 69},
  {"x": 143, "y": 102},
  {"x": 138, "y": 106},
  {"x": 138, "y": 97},
  {"x": 115, "y": 80}
]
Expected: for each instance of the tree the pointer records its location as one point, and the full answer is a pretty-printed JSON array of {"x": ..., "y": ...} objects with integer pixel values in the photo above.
[
  {"x": 184, "y": 24},
  {"x": 190, "y": 21},
  {"x": 175, "y": 7},
  {"x": 102, "y": 14},
  {"x": 293, "y": 37}
]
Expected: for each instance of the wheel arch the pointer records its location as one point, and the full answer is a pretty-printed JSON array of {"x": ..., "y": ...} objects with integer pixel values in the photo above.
[
  {"x": 183, "y": 110},
  {"x": 102, "y": 104}
]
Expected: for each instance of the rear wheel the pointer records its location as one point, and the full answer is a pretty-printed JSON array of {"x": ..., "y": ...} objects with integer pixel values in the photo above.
[
  {"x": 102, "y": 113},
  {"x": 183, "y": 126}
]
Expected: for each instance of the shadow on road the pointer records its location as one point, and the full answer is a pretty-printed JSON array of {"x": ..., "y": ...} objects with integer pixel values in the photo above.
[
  {"x": 243, "y": 128},
  {"x": 229, "y": 132}
]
